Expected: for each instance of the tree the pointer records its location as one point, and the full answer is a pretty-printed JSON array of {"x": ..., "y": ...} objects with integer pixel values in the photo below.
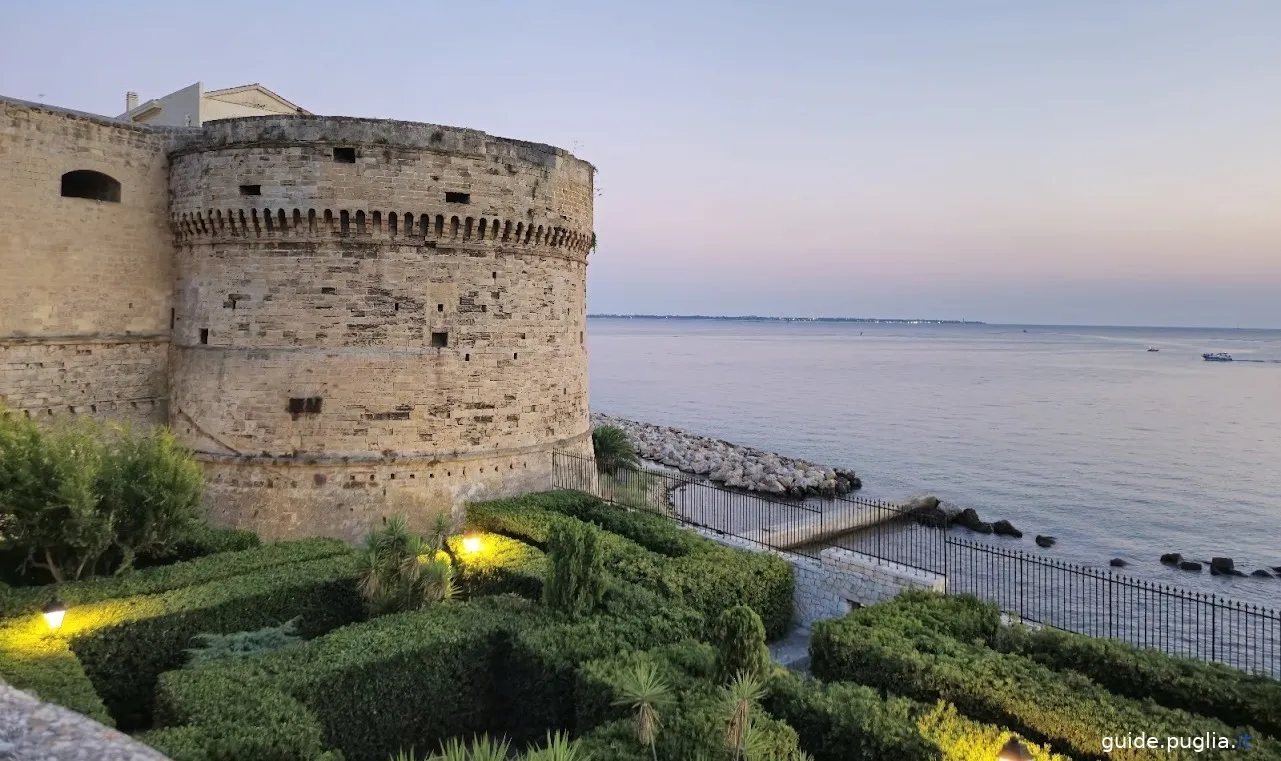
[
  {"x": 575, "y": 582},
  {"x": 646, "y": 693},
  {"x": 739, "y": 637},
  {"x": 613, "y": 449}
]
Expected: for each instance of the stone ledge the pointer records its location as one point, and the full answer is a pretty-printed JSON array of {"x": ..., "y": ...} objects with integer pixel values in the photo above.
[{"x": 31, "y": 730}]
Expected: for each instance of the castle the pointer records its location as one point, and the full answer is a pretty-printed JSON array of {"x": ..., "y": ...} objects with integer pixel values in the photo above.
[{"x": 346, "y": 319}]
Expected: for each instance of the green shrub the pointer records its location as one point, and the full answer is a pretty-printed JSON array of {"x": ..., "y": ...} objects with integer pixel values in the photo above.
[
  {"x": 398, "y": 681},
  {"x": 962, "y": 739},
  {"x": 501, "y": 565},
  {"x": 575, "y": 580},
  {"x": 82, "y": 498},
  {"x": 707, "y": 579},
  {"x": 1209, "y": 689},
  {"x": 16, "y": 602},
  {"x": 654, "y": 532},
  {"x": 694, "y": 723},
  {"x": 739, "y": 637},
  {"x": 891, "y": 650},
  {"x": 400, "y": 571},
  {"x": 201, "y": 542},
  {"x": 848, "y": 722},
  {"x": 216, "y": 647},
  {"x": 140, "y": 638}
]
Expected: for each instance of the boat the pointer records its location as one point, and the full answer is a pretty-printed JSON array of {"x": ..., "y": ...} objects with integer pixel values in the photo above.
[
  {"x": 1153, "y": 348},
  {"x": 1217, "y": 356}
]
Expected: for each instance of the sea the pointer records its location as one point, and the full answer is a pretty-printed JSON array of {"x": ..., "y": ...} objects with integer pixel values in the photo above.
[{"x": 1076, "y": 432}]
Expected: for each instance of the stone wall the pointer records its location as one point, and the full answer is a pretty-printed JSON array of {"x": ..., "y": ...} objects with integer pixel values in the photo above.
[
  {"x": 34, "y": 731},
  {"x": 85, "y": 289},
  {"x": 839, "y": 580},
  {"x": 389, "y": 315}
]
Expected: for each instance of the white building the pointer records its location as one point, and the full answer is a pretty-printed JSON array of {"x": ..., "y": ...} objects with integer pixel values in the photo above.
[{"x": 193, "y": 106}]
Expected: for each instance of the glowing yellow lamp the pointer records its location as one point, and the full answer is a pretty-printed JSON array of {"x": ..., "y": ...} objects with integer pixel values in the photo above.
[
  {"x": 53, "y": 613},
  {"x": 471, "y": 544},
  {"x": 1015, "y": 751}
]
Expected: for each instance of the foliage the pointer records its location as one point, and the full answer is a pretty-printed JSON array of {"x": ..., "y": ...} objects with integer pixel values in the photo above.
[
  {"x": 216, "y": 647},
  {"x": 739, "y": 637},
  {"x": 35, "y": 659},
  {"x": 644, "y": 691},
  {"x": 400, "y": 571},
  {"x": 15, "y": 602},
  {"x": 501, "y": 565},
  {"x": 575, "y": 580},
  {"x": 847, "y": 722},
  {"x": 962, "y": 739},
  {"x": 613, "y": 449},
  {"x": 893, "y": 650},
  {"x": 399, "y": 681},
  {"x": 742, "y": 698},
  {"x": 78, "y": 498},
  {"x": 705, "y": 578},
  {"x": 1209, "y": 689},
  {"x": 656, "y": 533},
  {"x": 557, "y": 747},
  {"x": 136, "y": 639}
]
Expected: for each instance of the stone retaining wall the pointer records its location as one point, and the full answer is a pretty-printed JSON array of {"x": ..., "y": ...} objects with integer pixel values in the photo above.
[
  {"x": 839, "y": 580},
  {"x": 31, "y": 730}
]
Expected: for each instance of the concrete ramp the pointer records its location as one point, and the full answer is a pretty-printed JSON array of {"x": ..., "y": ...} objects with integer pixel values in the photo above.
[{"x": 822, "y": 527}]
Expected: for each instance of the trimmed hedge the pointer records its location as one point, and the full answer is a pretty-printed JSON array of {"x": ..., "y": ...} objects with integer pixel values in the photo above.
[
  {"x": 709, "y": 578},
  {"x": 849, "y": 722},
  {"x": 1209, "y": 689},
  {"x": 652, "y": 531},
  {"x": 694, "y": 723},
  {"x": 17, "y": 601},
  {"x": 884, "y": 646},
  {"x": 124, "y": 657},
  {"x": 502, "y": 565},
  {"x": 35, "y": 659},
  {"x": 501, "y": 665},
  {"x": 962, "y": 739}
]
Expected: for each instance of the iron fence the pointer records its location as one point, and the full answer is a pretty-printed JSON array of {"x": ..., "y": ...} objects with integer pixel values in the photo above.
[{"x": 1029, "y": 588}]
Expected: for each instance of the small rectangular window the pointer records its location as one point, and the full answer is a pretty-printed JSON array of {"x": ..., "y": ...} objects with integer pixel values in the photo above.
[
  {"x": 173, "y": 317},
  {"x": 250, "y": 190},
  {"x": 440, "y": 307},
  {"x": 296, "y": 405},
  {"x": 458, "y": 198},
  {"x": 345, "y": 155},
  {"x": 439, "y": 340},
  {"x": 313, "y": 405},
  {"x": 204, "y": 335}
]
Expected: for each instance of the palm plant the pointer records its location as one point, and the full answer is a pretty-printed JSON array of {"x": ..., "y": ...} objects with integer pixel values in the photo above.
[
  {"x": 742, "y": 697},
  {"x": 400, "y": 571},
  {"x": 613, "y": 449},
  {"x": 558, "y": 748},
  {"x": 645, "y": 692},
  {"x": 482, "y": 749}
]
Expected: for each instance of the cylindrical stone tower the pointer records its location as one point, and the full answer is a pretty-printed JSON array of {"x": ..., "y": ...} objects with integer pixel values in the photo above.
[{"x": 375, "y": 318}]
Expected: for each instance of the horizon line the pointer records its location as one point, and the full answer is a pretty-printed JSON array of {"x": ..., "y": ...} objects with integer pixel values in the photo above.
[{"x": 908, "y": 320}]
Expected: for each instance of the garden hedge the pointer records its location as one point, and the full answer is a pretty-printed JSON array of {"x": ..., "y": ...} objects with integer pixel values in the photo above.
[
  {"x": 709, "y": 577},
  {"x": 15, "y": 601},
  {"x": 124, "y": 657},
  {"x": 502, "y": 565},
  {"x": 1209, "y": 689},
  {"x": 694, "y": 722},
  {"x": 35, "y": 659},
  {"x": 886, "y": 647},
  {"x": 493, "y": 664}
]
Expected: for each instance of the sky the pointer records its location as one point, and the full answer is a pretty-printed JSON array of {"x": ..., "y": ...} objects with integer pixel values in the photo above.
[{"x": 1059, "y": 161}]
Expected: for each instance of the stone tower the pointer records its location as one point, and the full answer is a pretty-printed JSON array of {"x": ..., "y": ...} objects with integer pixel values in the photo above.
[{"x": 368, "y": 318}]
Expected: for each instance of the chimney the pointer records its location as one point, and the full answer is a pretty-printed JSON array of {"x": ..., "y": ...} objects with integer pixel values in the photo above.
[{"x": 131, "y": 101}]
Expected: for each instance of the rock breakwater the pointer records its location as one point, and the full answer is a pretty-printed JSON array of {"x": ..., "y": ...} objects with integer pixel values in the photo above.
[{"x": 735, "y": 466}]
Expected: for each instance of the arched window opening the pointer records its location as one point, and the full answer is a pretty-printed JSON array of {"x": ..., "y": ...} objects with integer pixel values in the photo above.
[{"x": 86, "y": 183}]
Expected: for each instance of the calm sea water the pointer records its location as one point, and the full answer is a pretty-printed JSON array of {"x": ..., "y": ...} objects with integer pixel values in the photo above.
[{"x": 1076, "y": 432}]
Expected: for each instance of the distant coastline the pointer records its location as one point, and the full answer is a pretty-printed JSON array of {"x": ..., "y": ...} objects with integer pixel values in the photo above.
[{"x": 756, "y": 318}]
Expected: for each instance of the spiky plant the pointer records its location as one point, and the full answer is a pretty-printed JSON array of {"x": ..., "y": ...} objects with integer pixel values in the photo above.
[
  {"x": 644, "y": 691},
  {"x": 403, "y": 755},
  {"x": 742, "y": 697},
  {"x": 441, "y": 527},
  {"x": 613, "y": 449},
  {"x": 400, "y": 571},
  {"x": 559, "y": 747}
]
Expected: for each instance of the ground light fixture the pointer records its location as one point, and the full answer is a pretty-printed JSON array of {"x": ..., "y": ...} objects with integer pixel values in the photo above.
[
  {"x": 1014, "y": 751},
  {"x": 471, "y": 543},
  {"x": 53, "y": 613}
]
